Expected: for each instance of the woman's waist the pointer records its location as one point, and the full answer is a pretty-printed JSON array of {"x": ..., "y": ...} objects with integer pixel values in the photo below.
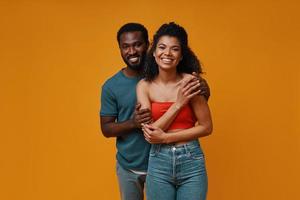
[
  {"x": 171, "y": 131},
  {"x": 184, "y": 144},
  {"x": 180, "y": 125}
]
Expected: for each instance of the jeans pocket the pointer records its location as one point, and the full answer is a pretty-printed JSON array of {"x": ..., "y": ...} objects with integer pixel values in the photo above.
[
  {"x": 197, "y": 156},
  {"x": 196, "y": 153}
]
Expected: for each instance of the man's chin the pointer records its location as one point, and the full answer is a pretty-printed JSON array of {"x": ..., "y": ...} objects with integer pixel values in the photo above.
[{"x": 135, "y": 67}]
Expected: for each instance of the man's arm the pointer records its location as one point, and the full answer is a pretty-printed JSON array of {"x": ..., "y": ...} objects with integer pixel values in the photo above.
[
  {"x": 109, "y": 112},
  {"x": 111, "y": 128}
]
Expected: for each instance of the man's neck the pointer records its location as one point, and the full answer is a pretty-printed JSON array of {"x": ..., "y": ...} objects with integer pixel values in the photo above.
[{"x": 131, "y": 73}]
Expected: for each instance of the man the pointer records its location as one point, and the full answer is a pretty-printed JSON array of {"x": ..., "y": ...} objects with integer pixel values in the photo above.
[{"x": 120, "y": 116}]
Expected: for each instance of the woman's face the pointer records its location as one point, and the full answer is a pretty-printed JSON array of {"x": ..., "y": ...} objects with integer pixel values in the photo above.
[{"x": 168, "y": 52}]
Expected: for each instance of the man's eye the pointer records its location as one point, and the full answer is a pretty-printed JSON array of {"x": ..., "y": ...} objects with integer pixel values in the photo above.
[{"x": 138, "y": 44}]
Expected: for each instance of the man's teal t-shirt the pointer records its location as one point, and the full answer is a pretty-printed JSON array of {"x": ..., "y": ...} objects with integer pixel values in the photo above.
[{"x": 118, "y": 99}]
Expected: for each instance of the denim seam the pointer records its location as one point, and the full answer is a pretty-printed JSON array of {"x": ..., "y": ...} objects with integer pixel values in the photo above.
[{"x": 174, "y": 161}]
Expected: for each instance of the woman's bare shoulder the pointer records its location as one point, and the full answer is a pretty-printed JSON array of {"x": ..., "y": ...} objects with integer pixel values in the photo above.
[
  {"x": 186, "y": 75},
  {"x": 143, "y": 84}
]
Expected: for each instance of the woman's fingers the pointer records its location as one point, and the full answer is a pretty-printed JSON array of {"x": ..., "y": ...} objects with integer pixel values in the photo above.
[
  {"x": 191, "y": 88},
  {"x": 194, "y": 94}
]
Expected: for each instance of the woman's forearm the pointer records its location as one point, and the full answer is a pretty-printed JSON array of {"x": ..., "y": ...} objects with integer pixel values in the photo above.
[
  {"x": 167, "y": 118},
  {"x": 188, "y": 134}
]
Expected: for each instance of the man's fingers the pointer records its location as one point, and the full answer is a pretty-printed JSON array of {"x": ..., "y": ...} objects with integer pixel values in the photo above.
[
  {"x": 137, "y": 106},
  {"x": 145, "y": 120},
  {"x": 204, "y": 85},
  {"x": 195, "y": 74},
  {"x": 142, "y": 111},
  {"x": 144, "y": 115},
  {"x": 203, "y": 92}
]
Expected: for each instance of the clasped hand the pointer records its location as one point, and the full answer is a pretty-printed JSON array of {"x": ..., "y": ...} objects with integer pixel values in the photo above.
[{"x": 154, "y": 135}]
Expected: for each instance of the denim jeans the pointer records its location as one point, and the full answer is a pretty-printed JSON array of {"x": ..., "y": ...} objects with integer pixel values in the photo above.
[
  {"x": 131, "y": 185},
  {"x": 176, "y": 172}
]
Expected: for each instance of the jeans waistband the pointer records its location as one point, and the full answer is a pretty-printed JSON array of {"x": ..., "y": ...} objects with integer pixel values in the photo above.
[
  {"x": 188, "y": 144},
  {"x": 186, "y": 148}
]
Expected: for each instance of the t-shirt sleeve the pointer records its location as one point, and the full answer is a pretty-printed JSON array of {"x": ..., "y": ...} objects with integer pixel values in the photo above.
[{"x": 108, "y": 102}]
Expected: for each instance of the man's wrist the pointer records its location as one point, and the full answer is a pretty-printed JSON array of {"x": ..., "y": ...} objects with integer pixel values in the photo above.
[{"x": 134, "y": 124}]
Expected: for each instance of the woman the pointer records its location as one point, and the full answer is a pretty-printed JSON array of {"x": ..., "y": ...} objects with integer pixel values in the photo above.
[{"x": 176, "y": 167}]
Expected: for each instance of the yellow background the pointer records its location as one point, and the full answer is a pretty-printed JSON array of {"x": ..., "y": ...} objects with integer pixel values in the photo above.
[{"x": 55, "y": 55}]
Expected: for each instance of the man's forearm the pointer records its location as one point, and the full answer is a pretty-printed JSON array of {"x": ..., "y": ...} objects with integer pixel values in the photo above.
[{"x": 115, "y": 129}]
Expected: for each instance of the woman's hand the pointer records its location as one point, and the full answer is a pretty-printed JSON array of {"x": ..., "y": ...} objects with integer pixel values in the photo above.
[
  {"x": 189, "y": 87},
  {"x": 154, "y": 135}
]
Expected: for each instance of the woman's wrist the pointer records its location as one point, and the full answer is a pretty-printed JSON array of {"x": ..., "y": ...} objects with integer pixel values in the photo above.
[
  {"x": 177, "y": 106},
  {"x": 166, "y": 139}
]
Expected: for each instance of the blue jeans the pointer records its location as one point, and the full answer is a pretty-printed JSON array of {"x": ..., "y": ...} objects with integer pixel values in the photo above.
[
  {"x": 131, "y": 184},
  {"x": 176, "y": 172}
]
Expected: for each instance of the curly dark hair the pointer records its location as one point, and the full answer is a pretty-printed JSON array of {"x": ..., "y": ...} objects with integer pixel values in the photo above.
[{"x": 189, "y": 63}]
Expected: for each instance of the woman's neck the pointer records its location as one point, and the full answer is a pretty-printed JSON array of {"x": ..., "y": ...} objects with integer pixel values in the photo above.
[{"x": 167, "y": 77}]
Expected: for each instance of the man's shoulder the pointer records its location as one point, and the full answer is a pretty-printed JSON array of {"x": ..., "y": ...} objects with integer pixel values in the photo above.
[{"x": 111, "y": 81}]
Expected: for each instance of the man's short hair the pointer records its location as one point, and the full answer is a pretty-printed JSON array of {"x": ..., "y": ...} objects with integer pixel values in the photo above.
[{"x": 131, "y": 27}]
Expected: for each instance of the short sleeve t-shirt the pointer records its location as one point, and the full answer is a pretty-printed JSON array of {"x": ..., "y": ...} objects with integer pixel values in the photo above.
[{"x": 118, "y": 99}]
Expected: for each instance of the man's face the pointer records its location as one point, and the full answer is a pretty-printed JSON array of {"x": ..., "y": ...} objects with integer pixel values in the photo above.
[{"x": 133, "y": 49}]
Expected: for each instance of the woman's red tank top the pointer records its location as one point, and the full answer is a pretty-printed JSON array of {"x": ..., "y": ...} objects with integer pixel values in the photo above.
[{"x": 184, "y": 119}]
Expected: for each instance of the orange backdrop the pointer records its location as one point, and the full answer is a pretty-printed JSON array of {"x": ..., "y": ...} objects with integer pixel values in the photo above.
[{"x": 55, "y": 55}]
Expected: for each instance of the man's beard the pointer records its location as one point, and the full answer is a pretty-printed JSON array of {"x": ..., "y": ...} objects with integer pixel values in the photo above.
[{"x": 139, "y": 66}]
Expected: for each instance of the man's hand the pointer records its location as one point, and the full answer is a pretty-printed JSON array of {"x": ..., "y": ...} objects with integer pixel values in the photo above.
[
  {"x": 204, "y": 88},
  {"x": 191, "y": 85},
  {"x": 141, "y": 116}
]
